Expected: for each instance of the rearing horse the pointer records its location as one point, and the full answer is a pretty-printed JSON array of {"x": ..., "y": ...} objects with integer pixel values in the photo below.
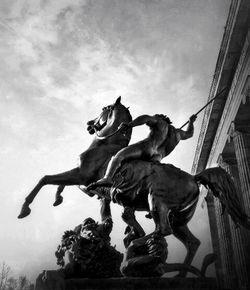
[{"x": 94, "y": 160}]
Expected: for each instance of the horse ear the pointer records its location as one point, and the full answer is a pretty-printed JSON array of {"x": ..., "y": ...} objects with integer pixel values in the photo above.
[{"x": 118, "y": 101}]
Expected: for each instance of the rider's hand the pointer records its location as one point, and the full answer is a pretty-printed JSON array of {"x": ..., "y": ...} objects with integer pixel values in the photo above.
[{"x": 192, "y": 118}]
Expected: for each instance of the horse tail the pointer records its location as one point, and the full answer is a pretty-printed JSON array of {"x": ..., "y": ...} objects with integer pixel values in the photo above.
[
  {"x": 222, "y": 187},
  {"x": 208, "y": 260}
]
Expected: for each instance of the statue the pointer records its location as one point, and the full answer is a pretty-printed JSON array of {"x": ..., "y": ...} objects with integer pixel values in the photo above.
[
  {"x": 136, "y": 180},
  {"x": 94, "y": 160},
  {"x": 170, "y": 195},
  {"x": 139, "y": 181},
  {"x": 162, "y": 140}
]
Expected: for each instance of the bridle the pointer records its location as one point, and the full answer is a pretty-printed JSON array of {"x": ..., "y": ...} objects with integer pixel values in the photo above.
[
  {"x": 107, "y": 136},
  {"x": 96, "y": 129}
]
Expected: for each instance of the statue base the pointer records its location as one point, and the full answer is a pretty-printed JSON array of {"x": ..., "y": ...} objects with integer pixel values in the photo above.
[
  {"x": 142, "y": 284},
  {"x": 55, "y": 281}
]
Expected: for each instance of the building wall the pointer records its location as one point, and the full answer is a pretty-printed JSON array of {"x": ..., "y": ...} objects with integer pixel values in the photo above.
[
  {"x": 225, "y": 141},
  {"x": 231, "y": 150}
]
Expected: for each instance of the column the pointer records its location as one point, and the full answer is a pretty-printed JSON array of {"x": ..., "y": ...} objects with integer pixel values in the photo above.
[
  {"x": 240, "y": 135},
  {"x": 226, "y": 249},
  {"x": 241, "y": 140},
  {"x": 215, "y": 238},
  {"x": 238, "y": 235}
]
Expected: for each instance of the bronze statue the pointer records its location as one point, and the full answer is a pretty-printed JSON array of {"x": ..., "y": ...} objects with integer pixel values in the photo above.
[
  {"x": 161, "y": 141},
  {"x": 94, "y": 160},
  {"x": 170, "y": 195},
  {"x": 137, "y": 180}
]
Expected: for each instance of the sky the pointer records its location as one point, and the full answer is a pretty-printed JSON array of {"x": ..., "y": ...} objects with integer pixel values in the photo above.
[{"x": 61, "y": 61}]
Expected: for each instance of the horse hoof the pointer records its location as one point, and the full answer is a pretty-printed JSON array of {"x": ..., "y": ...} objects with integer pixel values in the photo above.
[
  {"x": 25, "y": 211},
  {"x": 58, "y": 201}
]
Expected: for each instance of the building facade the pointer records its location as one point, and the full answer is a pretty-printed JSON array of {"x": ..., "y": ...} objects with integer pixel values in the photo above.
[{"x": 225, "y": 141}]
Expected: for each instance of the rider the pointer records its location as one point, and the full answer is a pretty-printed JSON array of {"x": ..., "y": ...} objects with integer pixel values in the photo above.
[{"x": 161, "y": 141}]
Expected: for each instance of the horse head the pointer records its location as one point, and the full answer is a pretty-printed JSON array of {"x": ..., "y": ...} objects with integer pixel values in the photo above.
[{"x": 108, "y": 122}]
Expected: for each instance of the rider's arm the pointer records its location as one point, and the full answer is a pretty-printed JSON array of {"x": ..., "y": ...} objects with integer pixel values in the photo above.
[
  {"x": 190, "y": 129},
  {"x": 143, "y": 119}
]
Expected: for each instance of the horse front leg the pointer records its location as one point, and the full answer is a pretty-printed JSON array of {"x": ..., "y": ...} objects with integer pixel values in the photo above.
[
  {"x": 134, "y": 229},
  {"x": 160, "y": 212},
  {"x": 59, "y": 198},
  {"x": 71, "y": 177}
]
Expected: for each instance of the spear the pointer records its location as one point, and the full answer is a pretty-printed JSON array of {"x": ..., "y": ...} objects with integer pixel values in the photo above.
[{"x": 220, "y": 93}]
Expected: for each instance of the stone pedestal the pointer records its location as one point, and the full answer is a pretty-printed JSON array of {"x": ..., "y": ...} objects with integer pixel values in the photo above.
[
  {"x": 143, "y": 284},
  {"x": 55, "y": 281}
]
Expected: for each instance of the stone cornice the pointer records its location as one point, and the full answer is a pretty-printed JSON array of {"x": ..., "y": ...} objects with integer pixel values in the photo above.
[
  {"x": 213, "y": 89},
  {"x": 228, "y": 58},
  {"x": 232, "y": 94}
]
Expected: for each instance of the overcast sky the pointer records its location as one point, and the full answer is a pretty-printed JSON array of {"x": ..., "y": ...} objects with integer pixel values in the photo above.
[{"x": 61, "y": 61}]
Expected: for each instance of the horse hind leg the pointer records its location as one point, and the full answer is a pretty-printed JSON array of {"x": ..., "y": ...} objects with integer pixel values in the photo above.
[
  {"x": 191, "y": 243},
  {"x": 58, "y": 197}
]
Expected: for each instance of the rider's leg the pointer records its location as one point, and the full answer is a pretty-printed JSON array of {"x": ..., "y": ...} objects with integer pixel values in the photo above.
[{"x": 134, "y": 151}]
